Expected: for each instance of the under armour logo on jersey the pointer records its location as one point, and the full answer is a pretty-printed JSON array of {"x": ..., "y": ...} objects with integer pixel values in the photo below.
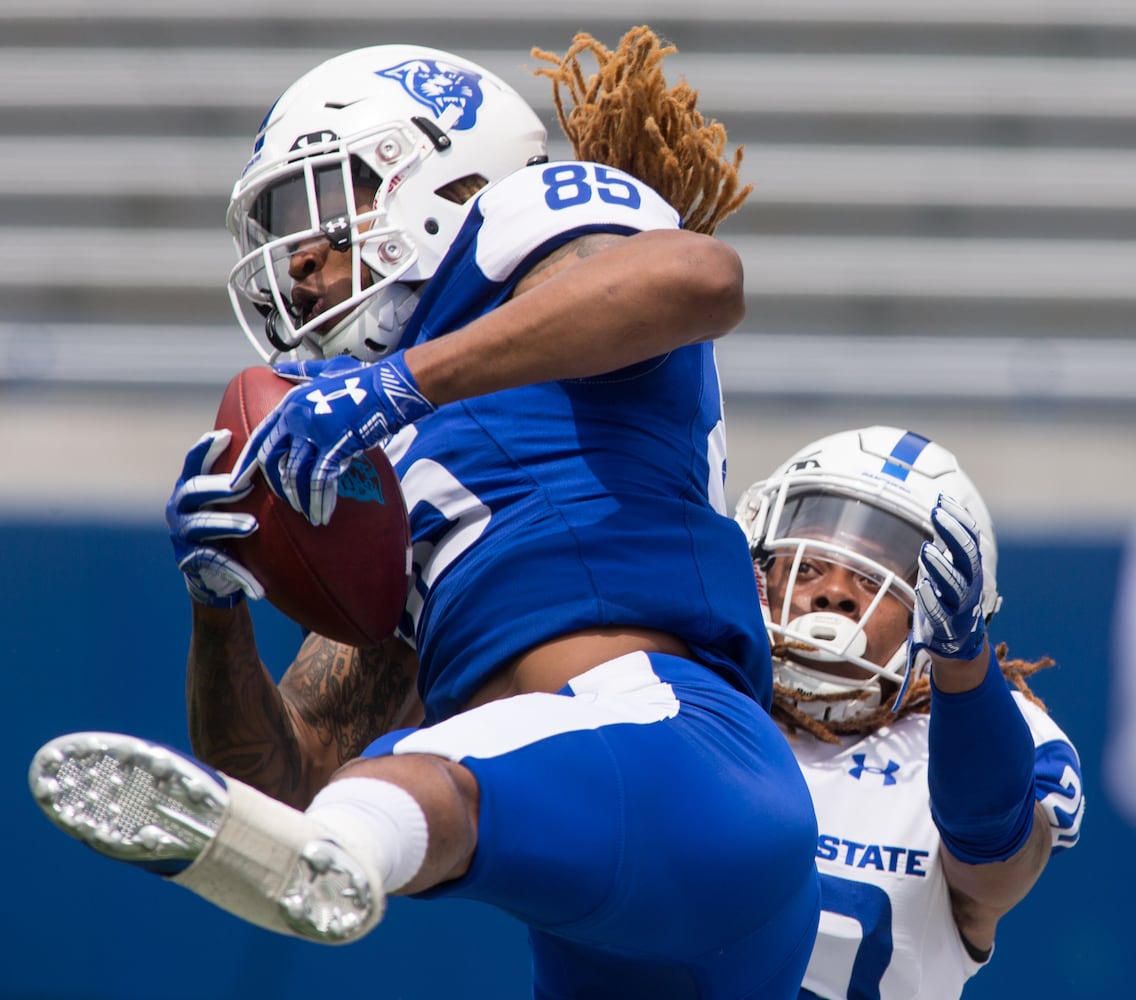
[
  {"x": 862, "y": 768},
  {"x": 323, "y": 400},
  {"x": 440, "y": 85}
]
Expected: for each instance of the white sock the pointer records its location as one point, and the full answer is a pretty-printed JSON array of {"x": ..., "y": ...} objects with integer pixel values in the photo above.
[{"x": 383, "y": 824}]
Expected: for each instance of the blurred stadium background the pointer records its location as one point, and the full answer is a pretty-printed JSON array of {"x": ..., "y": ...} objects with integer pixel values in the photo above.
[{"x": 941, "y": 236}]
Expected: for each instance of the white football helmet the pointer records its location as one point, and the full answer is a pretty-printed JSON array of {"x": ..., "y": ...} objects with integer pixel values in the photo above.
[
  {"x": 402, "y": 120},
  {"x": 861, "y": 499}
]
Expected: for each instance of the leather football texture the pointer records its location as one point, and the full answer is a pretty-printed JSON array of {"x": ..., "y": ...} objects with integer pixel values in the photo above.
[{"x": 346, "y": 580}]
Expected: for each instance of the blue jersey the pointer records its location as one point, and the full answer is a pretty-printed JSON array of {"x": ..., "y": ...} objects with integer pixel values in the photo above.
[{"x": 550, "y": 508}]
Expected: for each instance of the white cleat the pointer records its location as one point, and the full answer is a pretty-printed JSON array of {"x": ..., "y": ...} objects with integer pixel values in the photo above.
[{"x": 263, "y": 861}]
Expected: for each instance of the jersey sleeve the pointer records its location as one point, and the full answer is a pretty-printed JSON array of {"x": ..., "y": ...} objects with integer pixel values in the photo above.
[
  {"x": 535, "y": 209},
  {"x": 520, "y": 220},
  {"x": 1057, "y": 776}
]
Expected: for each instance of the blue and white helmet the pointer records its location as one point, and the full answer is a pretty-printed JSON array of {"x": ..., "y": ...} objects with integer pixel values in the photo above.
[
  {"x": 863, "y": 499},
  {"x": 407, "y": 120}
]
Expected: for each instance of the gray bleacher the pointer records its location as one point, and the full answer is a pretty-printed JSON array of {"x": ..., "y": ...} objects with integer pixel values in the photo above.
[
  {"x": 934, "y": 182},
  {"x": 922, "y": 170}
]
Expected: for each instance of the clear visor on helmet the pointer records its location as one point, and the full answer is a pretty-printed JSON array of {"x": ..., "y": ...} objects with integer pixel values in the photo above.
[
  {"x": 807, "y": 531},
  {"x": 851, "y": 529},
  {"x": 286, "y": 207},
  {"x": 327, "y": 202}
]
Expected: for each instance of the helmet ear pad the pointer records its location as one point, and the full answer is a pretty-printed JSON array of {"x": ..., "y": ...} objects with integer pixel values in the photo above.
[{"x": 414, "y": 133}]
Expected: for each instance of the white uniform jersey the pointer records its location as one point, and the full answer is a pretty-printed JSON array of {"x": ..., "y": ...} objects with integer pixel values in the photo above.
[{"x": 886, "y": 928}]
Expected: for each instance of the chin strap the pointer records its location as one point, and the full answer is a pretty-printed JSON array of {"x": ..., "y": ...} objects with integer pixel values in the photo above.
[
  {"x": 913, "y": 650},
  {"x": 272, "y": 335}
]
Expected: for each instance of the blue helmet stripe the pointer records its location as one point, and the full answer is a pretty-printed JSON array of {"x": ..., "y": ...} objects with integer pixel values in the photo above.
[{"x": 907, "y": 450}]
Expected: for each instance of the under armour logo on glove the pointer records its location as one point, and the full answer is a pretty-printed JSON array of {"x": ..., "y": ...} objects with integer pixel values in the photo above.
[
  {"x": 324, "y": 400},
  {"x": 307, "y": 443}
]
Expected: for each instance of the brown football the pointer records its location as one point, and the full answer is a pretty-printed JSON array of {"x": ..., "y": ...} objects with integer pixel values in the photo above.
[{"x": 346, "y": 580}]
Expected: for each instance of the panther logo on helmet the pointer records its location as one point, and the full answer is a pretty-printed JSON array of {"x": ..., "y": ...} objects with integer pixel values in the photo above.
[{"x": 439, "y": 85}]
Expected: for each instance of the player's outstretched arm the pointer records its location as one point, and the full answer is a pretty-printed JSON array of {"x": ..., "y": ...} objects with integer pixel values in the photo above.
[
  {"x": 995, "y": 835},
  {"x": 981, "y": 894},
  {"x": 287, "y": 739}
]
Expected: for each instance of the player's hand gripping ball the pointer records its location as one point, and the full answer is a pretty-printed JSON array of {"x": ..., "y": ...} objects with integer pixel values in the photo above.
[{"x": 346, "y": 580}]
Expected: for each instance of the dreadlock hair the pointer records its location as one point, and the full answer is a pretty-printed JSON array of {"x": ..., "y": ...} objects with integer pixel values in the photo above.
[
  {"x": 625, "y": 116},
  {"x": 916, "y": 702}
]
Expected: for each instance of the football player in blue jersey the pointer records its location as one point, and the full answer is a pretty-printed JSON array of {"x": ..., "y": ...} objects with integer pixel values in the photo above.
[
  {"x": 940, "y": 789},
  {"x": 596, "y": 757}
]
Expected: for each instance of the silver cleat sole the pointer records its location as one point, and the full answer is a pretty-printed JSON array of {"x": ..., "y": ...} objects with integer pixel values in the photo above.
[
  {"x": 129, "y": 799},
  {"x": 327, "y": 896}
]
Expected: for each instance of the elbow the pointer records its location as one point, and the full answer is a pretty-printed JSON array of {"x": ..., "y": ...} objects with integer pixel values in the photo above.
[{"x": 720, "y": 293}]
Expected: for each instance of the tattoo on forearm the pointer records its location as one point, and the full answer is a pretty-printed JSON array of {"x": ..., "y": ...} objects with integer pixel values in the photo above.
[
  {"x": 287, "y": 739},
  {"x": 350, "y": 696},
  {"x": 238, "y": 722}
]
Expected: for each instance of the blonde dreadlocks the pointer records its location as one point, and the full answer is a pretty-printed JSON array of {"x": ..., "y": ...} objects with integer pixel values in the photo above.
[
  {"x": 624, "y": 116},
  {"x": 916, "y": 702}
]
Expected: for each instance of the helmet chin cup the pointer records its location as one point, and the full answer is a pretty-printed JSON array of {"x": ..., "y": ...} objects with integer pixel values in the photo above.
[
  {"x": 858, "y": 697},
  {"x": 831, "y": 638},
  {"x": 823, "y": 637},
  {"x": 372, "y": 330}
]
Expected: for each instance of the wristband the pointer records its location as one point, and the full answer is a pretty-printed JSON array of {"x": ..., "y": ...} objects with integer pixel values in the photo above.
[
  {"x": 981, "y": 770},
  {"x": 397, "y": 384}
]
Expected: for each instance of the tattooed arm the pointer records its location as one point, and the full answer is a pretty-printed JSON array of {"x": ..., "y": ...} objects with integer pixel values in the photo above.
[{"x": 287, "y": 739}]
